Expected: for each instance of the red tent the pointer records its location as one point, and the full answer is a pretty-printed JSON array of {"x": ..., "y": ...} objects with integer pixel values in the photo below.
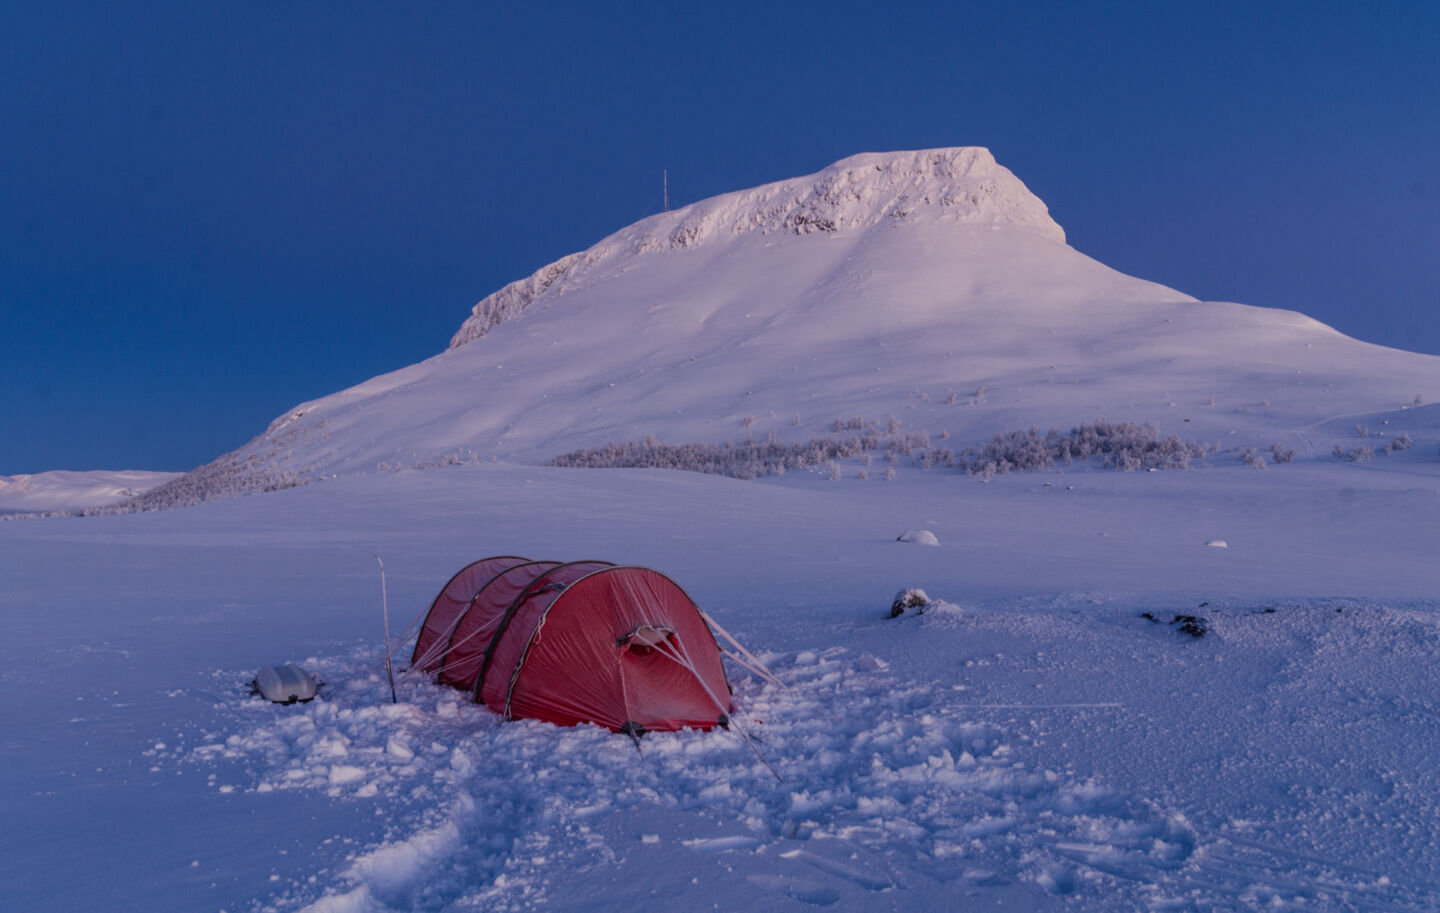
[{"x": 583, "y": 642}]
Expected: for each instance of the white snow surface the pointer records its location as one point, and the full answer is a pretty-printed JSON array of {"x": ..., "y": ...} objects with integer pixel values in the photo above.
[
  {"x": 1029, "y": 742},
  {"x": 61, "y": 489},
  {"x": 931, "y": 287}
]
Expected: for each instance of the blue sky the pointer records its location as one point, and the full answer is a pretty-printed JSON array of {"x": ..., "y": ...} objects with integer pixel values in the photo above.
[{"x": 211, "y": 212}]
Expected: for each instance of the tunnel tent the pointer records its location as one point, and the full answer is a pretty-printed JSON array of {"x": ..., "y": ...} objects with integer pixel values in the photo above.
[{"x": 620, "y": 646}]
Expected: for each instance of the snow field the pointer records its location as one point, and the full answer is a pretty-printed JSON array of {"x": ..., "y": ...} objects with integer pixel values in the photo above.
[
  {"x": 1029, "y": 742},
  {"x": 897, "y": 792},
  {"x": 932, "y": 795}
]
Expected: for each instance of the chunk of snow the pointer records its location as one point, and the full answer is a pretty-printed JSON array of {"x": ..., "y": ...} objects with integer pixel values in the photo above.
[
  {"x": 341, "y": 774},
  {"x": 1217, "y": 543}
]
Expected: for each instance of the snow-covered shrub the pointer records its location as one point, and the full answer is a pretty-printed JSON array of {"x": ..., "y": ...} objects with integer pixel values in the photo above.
[
  {"x": 1362, "y": 431},
  {"x": 1338, "y": 453},
  {"x": 1401, "y": 442},
  {"x": 1251, "y": 458},
  {"x": 1361, "y": 454},
  {"x": 260, "y": 465},
  {"x": 454, "y": 458},
  {"x": 1126, "y": 462},
  {"x": 227, "y": 477},
  {"x": 905, "y": 444},
  {"x": 835, "y": 472},
  {"x": 939, "y": 456},
  {"x": 1280, "y": 453},
  {"x": 1119, "y": 445},
  {"x": 749, "y": 460}
]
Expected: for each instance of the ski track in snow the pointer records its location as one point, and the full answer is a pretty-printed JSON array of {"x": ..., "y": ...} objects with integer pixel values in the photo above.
[{"x": 889, "y": 788}]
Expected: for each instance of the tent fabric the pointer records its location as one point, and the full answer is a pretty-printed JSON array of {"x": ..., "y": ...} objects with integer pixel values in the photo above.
[
  {"x": 523, "y": 616},
  {"x": 582, "y": 642},
  {"x": 476, "y": 630},
  {"x": 450, "y": 605}
]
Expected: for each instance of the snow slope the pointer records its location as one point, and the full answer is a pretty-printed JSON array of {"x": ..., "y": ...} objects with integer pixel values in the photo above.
[
  {"x": 60, "y": 489},
  {"x": 928, "y": 286}
]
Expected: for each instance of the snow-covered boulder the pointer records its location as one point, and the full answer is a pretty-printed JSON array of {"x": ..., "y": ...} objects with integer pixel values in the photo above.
[{"x": 918, "y": 536}]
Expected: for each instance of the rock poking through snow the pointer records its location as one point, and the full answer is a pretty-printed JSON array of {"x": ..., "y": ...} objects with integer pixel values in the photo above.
[{"x": 908, "y": 599}]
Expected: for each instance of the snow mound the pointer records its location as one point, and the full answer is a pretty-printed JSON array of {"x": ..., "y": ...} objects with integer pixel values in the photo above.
[
  {"x": 863, "y": 191},
  {"x": 918, "y": 536}
]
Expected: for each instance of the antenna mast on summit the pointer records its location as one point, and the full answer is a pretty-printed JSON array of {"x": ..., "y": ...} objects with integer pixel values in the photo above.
[{"x": 665, "y": 182}]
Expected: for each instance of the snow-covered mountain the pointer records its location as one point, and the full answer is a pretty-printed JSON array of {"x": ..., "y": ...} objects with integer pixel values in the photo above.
[
  {"x": 929, "y": 290},
  {"x": 60, "y": 489}
]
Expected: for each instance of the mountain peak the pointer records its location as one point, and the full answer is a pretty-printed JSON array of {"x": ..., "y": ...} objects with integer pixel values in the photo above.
[{"x": 961, "y": 185}]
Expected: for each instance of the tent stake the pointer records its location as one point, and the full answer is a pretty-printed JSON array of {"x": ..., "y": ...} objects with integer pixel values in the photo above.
[{"x": 385, "y": 614}]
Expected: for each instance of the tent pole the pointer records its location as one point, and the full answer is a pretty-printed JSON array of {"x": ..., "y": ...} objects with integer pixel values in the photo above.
[{"x": 385, "y": 614}]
